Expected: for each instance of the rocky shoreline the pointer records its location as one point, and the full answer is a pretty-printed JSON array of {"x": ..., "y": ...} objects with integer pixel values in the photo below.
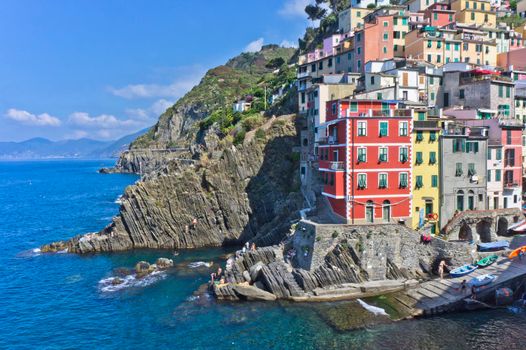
[{"x": 337, "y": 262}]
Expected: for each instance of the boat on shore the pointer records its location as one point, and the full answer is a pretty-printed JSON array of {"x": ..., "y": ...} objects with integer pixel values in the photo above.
[
  {"x": 482, "y": 280},
  {"x": 493, "y": 246},
  {"x": 487, "y": 261},
  {"x": 517, "y": 252},
  {"x": 463, "y": 270}
]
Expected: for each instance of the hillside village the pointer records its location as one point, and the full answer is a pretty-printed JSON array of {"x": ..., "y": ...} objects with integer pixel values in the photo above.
[{"x": 414, "y": 113}]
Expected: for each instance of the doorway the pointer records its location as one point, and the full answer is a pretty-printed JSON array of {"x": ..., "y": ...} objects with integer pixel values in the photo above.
[
  {"x": 386, "y": 211},
  {"x": 369, "y": 212}
]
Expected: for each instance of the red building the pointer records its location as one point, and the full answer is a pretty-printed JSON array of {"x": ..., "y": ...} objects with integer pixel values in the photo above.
[
  {"x": 439, "y": 14},
  {"x": 365, "y": 161}
]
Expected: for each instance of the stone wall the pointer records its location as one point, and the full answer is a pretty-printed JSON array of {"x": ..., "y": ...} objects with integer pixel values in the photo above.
[{"x": 482, "y": 225}]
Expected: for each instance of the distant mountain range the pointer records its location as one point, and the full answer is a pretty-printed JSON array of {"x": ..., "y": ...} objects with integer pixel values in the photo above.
[{"x": 41, "y": 148}]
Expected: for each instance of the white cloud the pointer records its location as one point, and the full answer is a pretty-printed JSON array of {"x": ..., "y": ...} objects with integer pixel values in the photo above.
[
  {"x": 189, "y": 77},
  {"x": 254, "y": 46},
  {"x": 286, "y": 43},
  {"x": 294, "y": 8},
  {"x": 152, "y": 112},
  {"x": 25, "y": 117},
  {"x": 105, "y": 121}
]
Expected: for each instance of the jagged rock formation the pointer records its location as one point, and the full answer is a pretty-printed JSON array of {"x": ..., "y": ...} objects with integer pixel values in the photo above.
[
  {"x": 330, "y": 256},
  {"x": 232, "y": 194}
]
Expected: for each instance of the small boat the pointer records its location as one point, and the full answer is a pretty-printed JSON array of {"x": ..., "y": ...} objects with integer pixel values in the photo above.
[
  {"x": 462, "y": 270},
  {"x": 482, "y": 280},
  {"x": 517, "y": 251},
  {"x": 492, "y": 246},
  {"x": 487, "y": 261}
]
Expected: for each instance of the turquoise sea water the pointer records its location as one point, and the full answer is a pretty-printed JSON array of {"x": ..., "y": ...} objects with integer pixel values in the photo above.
[{"x": 56, "y": 301}]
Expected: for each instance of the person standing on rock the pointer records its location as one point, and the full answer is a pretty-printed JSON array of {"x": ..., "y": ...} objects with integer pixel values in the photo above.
[
  {"x": 253, "y": 247},
  {"x": 441, "y": 266}
]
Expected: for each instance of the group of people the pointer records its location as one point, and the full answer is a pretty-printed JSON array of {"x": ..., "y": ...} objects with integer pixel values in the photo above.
[{"x": 219, "y": 276}]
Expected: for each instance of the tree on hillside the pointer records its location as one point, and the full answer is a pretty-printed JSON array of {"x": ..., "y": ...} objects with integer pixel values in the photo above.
[
  {"x": 315, "y": 12},
  {"x": 275, "y": 63}
]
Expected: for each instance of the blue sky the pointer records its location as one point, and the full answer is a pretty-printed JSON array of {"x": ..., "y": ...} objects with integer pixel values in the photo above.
[{"x": 105, "y": 68}]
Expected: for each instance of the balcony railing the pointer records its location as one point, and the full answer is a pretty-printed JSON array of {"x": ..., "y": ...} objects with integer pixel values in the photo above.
[
  {"x": 403, "y": 113},
  {"x": 336, "y": 165},
  {"x": 511, "y": 184}
]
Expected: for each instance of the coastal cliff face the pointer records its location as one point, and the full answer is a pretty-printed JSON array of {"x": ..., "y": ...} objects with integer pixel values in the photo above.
[{"x": 229, "y": 195}]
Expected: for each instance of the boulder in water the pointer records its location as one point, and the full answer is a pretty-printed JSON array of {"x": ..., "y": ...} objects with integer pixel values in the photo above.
[
  {"x": 117, "y": 281},
  {"x": 143, "y": 268},
  {"x": 252, "y": 293},
  {"x": 164, "y": 263}
]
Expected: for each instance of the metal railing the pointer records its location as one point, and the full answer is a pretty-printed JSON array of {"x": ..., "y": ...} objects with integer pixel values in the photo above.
[{"x": 336, "y": 165}]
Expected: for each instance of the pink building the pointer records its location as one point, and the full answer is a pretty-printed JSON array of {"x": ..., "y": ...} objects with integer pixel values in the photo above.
[{"x": 515, "y": 58}]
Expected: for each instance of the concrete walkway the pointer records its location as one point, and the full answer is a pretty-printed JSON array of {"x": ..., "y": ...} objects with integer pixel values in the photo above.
[{"x": 440, "y": 296}]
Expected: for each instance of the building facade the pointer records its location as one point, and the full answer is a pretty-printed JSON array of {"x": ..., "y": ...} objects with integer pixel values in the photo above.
[{"x": 365, "y": 162}]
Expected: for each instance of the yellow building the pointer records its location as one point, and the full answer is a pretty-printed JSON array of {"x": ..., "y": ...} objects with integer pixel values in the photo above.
[
  {"x": 352, "y": 18},
  {"x": 476, "y": 12},
  {"x": 400, "y": 29},
  {"x": 477, "y": 48},
  {"x": 425, "y": 181},
  {"x": 434, "y": 45}
]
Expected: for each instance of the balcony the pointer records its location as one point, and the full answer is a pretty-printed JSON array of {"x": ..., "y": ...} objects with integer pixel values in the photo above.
[
  {"x": 403, "y": 113},
  {"x": 337, "y": 166},
  {"x": 302, "y": 75},
  {"x": 381, "y": 113},
  {"x": 425, "y": 125},
  {"x": 511, "y": 184}
]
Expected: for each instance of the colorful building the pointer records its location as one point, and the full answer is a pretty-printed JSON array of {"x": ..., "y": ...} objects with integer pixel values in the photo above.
[
  {"x": 426, "y": 162},
  {"x": 434, "y": 45},
  {"x": 365, "y": 161},
  {"x": 374, "y": 42},
  {"x": 439, "y": 14},
  {"x": 352, "y": 18},
  {"x": 477, "y": 12}
]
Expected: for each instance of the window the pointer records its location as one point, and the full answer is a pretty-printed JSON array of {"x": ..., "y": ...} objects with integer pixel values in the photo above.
[
  {"x": 362, "y": 181},
  {"x": 459, "y": 145},
  {"x": 432, "y": 136},
  {"x": 458, "y": 170},
  {"x": 330, "y": 62},
  {"x": 435, "y": 16},
  {"x": 386, "y": 24},
  {"x": 421, "y": 116},
  {"x": 313, "y": 67},
  {"x": 457, "y": 46},
  {"x": 489, "y": 153},
  {"x": 419, "y": 181},
  {"x": 362, "y": 128},
  {"x": 473, "y": 15},
  {"x": 333, "y": 108},
  {"x": 460, "y": 200},
  {"x": 448, "y": 46},
  {"x": 358, "y": 50},
  {"x": 419, "y": 136},
  {"x": 385, "y": 49},
  {"x": 489, "y": 176},
  {"x": 320, "y": 65},
  {"x": 403, "y": 154},
  {"x": 332, "y": 179},
  {"x": 508, "y": 92},
  {"x": 429, "y": 58},
  {"x": 362, "y": 155},
  {"x": 354, "y": 106},
  {"x": 472, "y": 146},
  {"x": 403, "y": 128},
  {"x": 501, "y": 91},
  {"x": 382, "y": 180},
  {"x": 434, "y": 181},
  {"x": 372, "y": 80},
  {"x": 403, "y": 180},
  {"x": 504, "y": 110},
  {"x": 499, "y": 154},
  {"x": 432, "y": 157},
  {"x": 386, "y": 36},
  {"x": 461, "y": 93},
  {"x": 419, "y": 158},
  {"x": 497, "y": 175},
  {"x": 471, "y": 169},
  {"x": 508, "y": 137},
  {"x": 383, "y": 128},
  {"x": 382, "y": 154}
]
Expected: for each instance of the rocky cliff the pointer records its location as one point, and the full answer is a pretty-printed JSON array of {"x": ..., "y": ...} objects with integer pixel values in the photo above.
[
  {"x": 341, "y": 257},
  {"x": 232, "y": 193}
]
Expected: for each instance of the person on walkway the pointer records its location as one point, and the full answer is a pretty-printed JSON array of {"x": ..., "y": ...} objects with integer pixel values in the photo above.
[
  {"x": 441, "y": 266},
  {"x": 253, "y": 247},
  {"x": 473, "y": 292}
]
